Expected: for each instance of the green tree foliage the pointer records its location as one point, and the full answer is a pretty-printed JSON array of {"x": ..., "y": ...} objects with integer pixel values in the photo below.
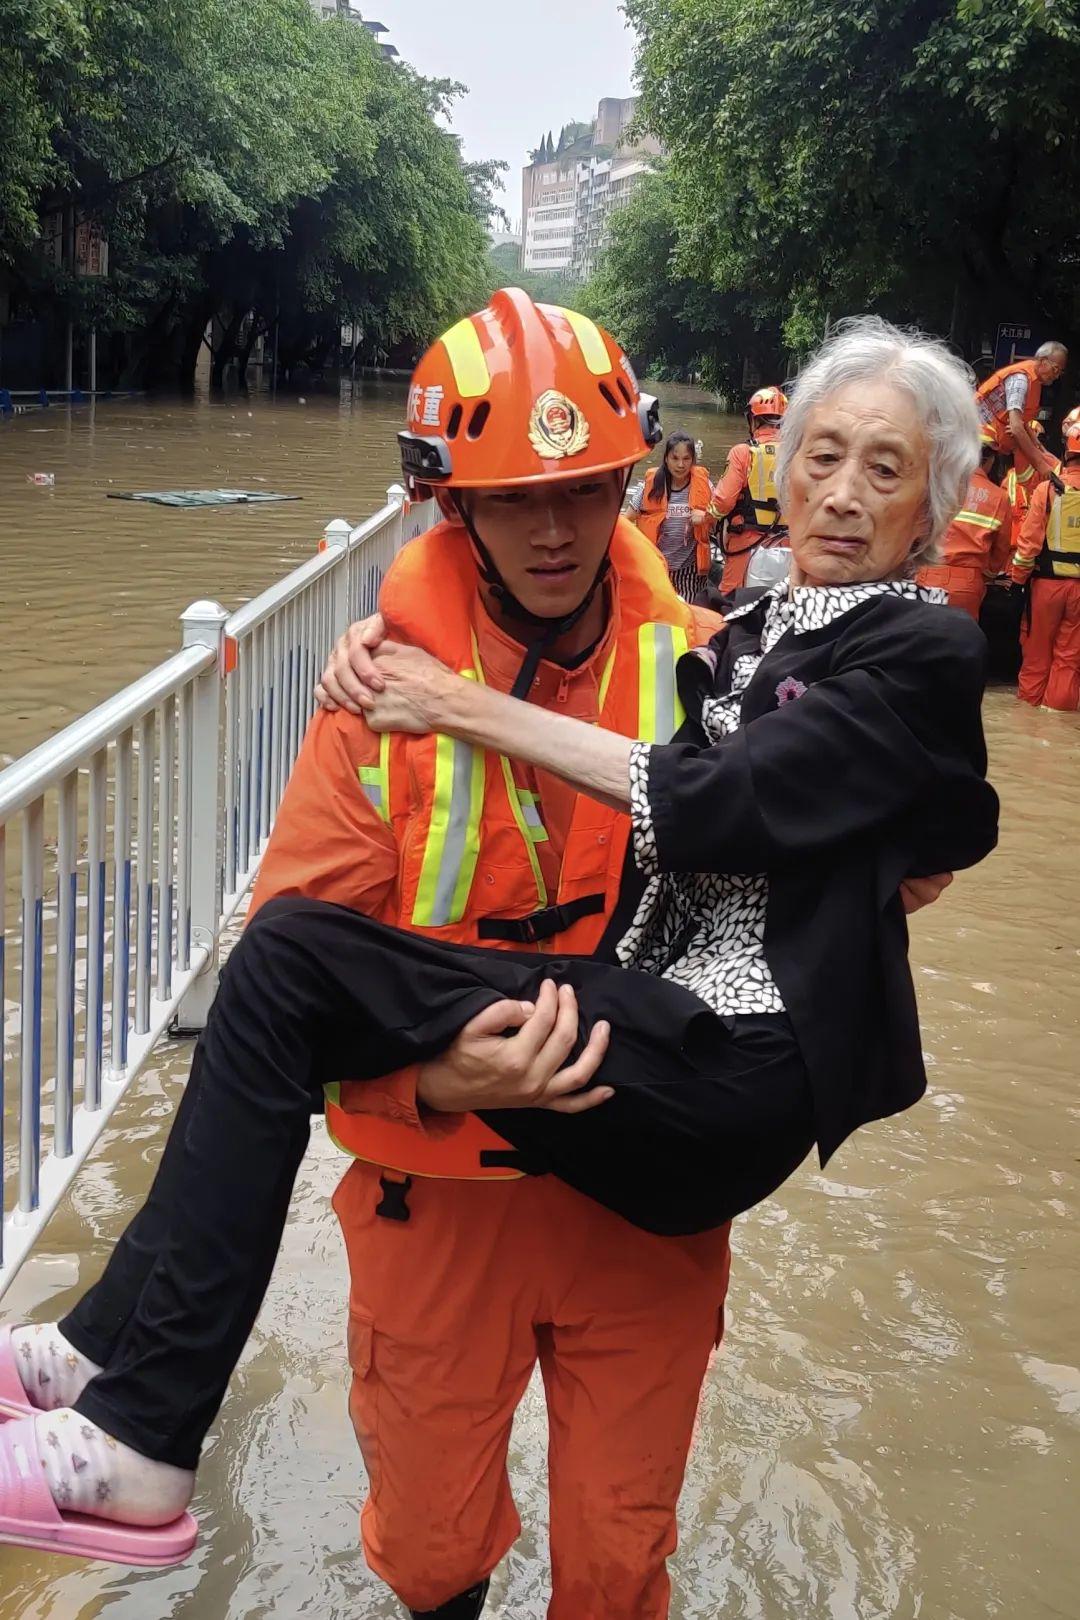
[
  {"x": 242, "y": 157},
  {"x": 38, "y": 38},
  {"x": 670, "y": 318},
  {"x": 919, "y": 157}
]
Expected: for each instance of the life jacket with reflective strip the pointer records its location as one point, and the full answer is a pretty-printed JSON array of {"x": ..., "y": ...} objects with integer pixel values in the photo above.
[
  {"x": 1017, "y": 488},
  {"x": 758, "y": 506},
  {"x": 467, "y": 834},
  {"x": 651, "y": 517},
  {"x": 990, "y": 399},
  {"x": 970, "y": 538},
  {"x": 1060, "y": 555}
]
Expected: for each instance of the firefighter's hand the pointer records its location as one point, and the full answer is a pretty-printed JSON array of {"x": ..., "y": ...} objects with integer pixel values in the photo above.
[
  {"x": 919, "y": 892},
  {"x": 488, "y": 1068},
  {"x": 350, "y": 671},
  {"x": 698, "y": 514}
]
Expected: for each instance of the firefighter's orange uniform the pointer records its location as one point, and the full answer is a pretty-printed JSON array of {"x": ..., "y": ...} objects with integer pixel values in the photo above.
[
  {"x": 746, "y": 496},
  {"x": 976, "y": 546},
  {"x": 1048, "y": 554},
  {"x": 493, "y": 1273}
]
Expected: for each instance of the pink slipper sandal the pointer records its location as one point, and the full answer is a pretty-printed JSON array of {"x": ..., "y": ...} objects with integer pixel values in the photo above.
[
  {"x": 13, "y": 1401},
  {"x": 30, "y": 1518}
]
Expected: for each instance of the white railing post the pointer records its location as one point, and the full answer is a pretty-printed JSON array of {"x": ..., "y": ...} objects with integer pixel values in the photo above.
[
  {"x": 204, "y": 626},
  {"x": 337, "y": 533},
  {"x": 397, "y": 496}
]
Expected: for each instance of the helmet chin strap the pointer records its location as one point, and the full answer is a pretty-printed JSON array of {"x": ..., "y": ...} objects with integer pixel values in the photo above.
[{"x": 547, "y": 631}]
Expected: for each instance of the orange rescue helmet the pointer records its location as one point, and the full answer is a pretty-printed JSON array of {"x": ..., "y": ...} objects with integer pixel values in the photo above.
[
  {"x": 767, "y": 402},
  {"x": 523, "y": 393},
  {"x": 1072, "y": 438},
  {"x": 1069, "y": 420}
]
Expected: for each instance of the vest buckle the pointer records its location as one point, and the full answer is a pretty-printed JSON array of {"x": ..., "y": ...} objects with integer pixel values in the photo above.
[{"x": 395, "y": 1199}]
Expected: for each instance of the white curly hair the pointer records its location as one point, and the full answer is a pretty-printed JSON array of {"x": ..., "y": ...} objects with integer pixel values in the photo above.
[{"x": 942, "y": 386}]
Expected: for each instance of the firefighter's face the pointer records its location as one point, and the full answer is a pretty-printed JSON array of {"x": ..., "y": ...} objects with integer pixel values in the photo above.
[{"x": 548, "y": 540}]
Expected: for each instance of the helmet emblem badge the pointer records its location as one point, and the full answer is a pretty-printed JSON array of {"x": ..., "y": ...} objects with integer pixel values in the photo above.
[{"x": 556, "y": 427}]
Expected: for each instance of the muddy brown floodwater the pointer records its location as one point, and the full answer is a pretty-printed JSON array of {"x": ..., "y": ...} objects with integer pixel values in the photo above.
[{"x": 892, "y": 1429}]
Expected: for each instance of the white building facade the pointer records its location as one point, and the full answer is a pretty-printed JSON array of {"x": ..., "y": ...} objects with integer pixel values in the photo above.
[{"x": 569, "y": 192}]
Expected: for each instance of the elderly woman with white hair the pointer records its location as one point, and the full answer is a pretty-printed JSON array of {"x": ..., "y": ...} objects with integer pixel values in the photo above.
[{"x": 752, "y": 998}]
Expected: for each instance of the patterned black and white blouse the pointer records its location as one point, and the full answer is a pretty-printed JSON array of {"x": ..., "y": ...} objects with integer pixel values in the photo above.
[{"x": 706, "y": 930}]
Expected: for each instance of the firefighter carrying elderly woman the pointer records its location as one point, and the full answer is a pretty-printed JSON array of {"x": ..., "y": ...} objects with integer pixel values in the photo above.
[{"x": 550, "y": 925}]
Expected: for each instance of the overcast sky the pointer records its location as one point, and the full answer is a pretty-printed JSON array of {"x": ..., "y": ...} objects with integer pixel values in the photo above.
[{"x": 531, "y": 66}]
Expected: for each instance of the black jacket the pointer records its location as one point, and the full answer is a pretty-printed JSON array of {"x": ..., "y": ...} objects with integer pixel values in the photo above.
[{"x": 875, "y": 773}]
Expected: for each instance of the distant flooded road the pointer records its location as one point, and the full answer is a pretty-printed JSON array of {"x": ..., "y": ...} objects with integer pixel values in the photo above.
[{"x": 892, "y": 1429}]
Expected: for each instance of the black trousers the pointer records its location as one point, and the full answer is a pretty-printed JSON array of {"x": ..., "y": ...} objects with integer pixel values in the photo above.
[{"x": 709, "y": 1116}]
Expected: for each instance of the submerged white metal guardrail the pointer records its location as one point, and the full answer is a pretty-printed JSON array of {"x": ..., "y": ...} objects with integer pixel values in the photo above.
[{"x": 129, "y": 840}]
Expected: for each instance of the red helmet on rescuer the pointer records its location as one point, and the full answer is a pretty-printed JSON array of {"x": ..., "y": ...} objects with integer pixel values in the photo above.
[
  {"x": 523, "y": 393},
  {"x": 767, "y": 402}
]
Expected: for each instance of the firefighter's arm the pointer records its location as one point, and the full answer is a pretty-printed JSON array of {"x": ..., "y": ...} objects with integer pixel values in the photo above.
[
  {"x": 1001, "y": 540},
  {"x": 330, "y": 843},
  {"x": 731, "y": 483},
  {"x": 1032, "y": 534},
  {"x": 1028, "y": 445}
]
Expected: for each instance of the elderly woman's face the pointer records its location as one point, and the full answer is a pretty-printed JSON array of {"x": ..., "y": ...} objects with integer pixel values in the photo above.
[{"x": 858, "y": 487}]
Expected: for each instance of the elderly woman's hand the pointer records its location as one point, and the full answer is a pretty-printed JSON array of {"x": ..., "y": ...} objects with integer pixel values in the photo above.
[
  {"x": 415, "y": 690},
  {"x": 350, "y": 674}
]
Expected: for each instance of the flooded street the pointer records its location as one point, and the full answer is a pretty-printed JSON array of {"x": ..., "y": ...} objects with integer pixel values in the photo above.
[{"x": 892, "y": 1428}]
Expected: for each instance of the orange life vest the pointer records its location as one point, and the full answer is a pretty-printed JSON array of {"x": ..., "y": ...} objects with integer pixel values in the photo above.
[
  {"x": 991, "y": 399},
  {"x": 467, "y": 834},
  {"x": 651, "y": 517}
]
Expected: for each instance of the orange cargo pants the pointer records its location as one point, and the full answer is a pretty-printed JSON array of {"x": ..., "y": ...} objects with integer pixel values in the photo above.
[
  {"x": 1050, "y": 673},
  {"x": 966, "y": 586},
  {"x": 449, "y": 1313}
]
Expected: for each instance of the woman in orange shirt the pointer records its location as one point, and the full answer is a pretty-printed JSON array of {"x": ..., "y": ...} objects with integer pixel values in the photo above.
[{"x": 672, "y": 510}]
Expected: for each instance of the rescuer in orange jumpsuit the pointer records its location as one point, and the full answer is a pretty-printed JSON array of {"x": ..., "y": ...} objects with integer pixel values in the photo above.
[
  {"x": 466, "y": 1275},
  {"x": 1020, "y": 487},
  {"x": 1048, "y": 555},
  {"x": 746, "y": 494},
  {"x": 977, "y": 542}
]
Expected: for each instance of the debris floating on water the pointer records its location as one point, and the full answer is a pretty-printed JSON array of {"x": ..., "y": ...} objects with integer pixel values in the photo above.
[
  {"x": 199, "y": 497},
  {"x": 46, "y": 480}
]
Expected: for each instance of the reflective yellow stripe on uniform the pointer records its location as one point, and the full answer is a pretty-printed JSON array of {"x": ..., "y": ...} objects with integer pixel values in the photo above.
[
  {"x": 530, "y": 814},
  {"x": 660, "y": 714},
  {"x": 453, "y": 840},
  {"x": 375, "y": 779},
  {"x": 979, "y": 519}
]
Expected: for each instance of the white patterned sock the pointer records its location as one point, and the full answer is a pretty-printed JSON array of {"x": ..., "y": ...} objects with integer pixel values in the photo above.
[
  {"x": 53, "y": 1372},
  {"x": 87, "y": 1471}
]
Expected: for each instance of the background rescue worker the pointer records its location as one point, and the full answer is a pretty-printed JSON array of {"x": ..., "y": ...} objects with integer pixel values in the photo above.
[
  {"x": 746, "y": 494},
  {"x": 1048, "y": 554},
  {"x": 672, "y": 510},
  {"x": 977, "y": 543},
  {"x": 1009, "y": 399},
  {"x": 1019, "y": 489},
  {"x": 467, "y": 1273}
]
